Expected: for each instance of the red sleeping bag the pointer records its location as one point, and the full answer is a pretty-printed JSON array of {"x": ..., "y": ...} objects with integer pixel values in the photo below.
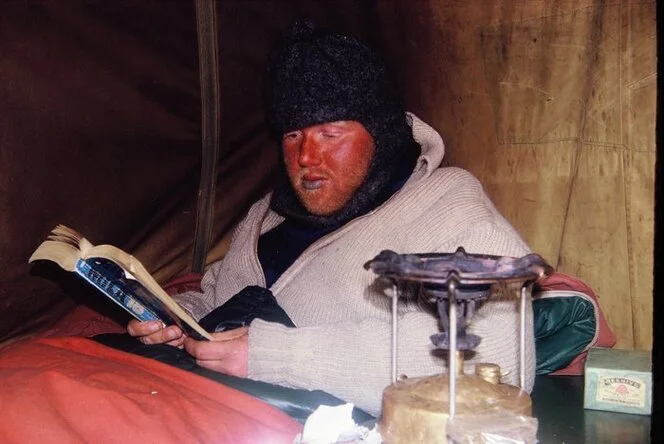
[{"x": 69, "y": 390}]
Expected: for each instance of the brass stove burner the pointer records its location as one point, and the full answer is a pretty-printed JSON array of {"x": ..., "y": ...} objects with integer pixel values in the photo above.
[{"x": 458, "y": 280}]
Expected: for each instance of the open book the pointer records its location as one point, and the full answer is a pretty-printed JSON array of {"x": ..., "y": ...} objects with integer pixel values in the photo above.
[{"x": 119, "y": 276}]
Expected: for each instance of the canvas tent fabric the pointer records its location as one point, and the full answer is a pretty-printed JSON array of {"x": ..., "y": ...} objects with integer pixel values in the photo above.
[
  {"x": 551, "y": 104},
  {"x": 101, "y": 131}
]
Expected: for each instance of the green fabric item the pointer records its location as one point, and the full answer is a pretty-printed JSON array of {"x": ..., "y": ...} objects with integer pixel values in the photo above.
[{"x": 564, "y": 326}]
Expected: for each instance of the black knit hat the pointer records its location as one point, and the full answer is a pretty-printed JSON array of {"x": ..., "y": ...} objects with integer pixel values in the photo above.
[{"x": 315, "y": 76}]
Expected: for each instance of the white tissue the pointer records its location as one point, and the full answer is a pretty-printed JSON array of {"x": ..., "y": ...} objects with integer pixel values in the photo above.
[{"x": 333, "y": 425}]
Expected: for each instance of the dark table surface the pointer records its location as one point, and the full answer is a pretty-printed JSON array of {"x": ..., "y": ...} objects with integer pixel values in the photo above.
[{"x": 558, "y": 407}]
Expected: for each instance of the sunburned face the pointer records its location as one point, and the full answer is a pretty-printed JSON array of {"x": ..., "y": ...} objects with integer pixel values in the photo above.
[{"x": 327, "y": 163}]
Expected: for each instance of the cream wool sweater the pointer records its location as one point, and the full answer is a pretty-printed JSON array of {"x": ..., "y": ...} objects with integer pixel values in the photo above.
[{"x": 343, "y": 337}]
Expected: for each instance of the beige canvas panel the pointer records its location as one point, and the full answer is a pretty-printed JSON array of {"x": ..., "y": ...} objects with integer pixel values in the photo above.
[
  {"x": 548, "y": 102},
  {"x": 530, "y": 184},
  {"x": 639, "y": 177},
  {"x": 639, "y": 76},
  {"x": 639, "y": 106},
  {"x": 594, "y": 244}
]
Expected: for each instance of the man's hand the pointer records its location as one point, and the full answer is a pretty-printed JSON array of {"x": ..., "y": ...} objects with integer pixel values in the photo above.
[
  {"x": 228, "y": 352},
  {"x": 154, "y": 332}
]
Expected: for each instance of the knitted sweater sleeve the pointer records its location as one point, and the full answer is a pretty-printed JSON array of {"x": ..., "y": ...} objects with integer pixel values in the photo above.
[{"x": 351, "y": 360}]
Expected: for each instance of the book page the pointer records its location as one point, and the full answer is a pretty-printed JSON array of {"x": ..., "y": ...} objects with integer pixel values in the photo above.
[{"x": 63, "y": 254}]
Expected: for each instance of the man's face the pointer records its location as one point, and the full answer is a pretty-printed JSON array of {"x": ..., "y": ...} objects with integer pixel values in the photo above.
[{"x": 327, "y": 163}]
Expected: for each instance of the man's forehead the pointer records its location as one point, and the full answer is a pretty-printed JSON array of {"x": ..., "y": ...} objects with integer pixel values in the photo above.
[{"x": 350, "y": 125}]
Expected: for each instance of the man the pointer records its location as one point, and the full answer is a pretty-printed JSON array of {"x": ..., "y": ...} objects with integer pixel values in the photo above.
[{"x": 359, "y": 175}]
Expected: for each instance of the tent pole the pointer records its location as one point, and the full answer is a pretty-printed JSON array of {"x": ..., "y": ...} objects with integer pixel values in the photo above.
[{"x": 206, "y": 25}]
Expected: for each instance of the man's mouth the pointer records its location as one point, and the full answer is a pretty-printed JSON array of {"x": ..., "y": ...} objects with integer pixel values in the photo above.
[{"x": 312, "y": 182}]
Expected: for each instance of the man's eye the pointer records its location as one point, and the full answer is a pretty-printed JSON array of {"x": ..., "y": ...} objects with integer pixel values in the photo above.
[
  {"x": 290, "y": 136},
  {"x": 328, "y": 135}
]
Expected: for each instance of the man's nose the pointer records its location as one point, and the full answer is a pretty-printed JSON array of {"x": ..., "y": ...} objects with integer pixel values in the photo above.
[{"x": 309, "y": 151}]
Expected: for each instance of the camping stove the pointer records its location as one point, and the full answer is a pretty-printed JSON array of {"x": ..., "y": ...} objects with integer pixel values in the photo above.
[{"x": 458, "y": 283}]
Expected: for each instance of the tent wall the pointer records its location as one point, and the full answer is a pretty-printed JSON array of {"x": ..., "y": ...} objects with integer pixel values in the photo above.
[
  {"x": 550, "y": 103},
  {"x": 100, "y": 130}
]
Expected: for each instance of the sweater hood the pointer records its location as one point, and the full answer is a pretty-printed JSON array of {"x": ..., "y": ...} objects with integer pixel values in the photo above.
[{"x": 431, "y": 143}]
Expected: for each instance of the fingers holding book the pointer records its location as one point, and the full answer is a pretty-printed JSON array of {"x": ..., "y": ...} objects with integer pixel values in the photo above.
[
  {"x": 154, "y": 332},
  {"x": 228, "y": 352}
]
